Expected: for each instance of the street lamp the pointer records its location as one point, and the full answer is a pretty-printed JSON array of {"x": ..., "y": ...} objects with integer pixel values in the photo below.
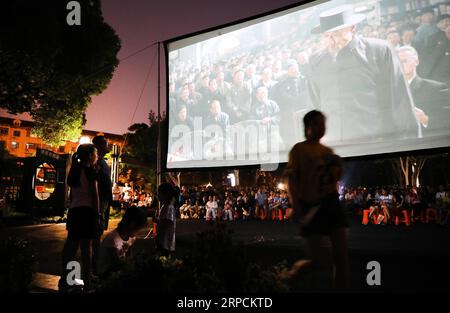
[
  {"x": 84, "y": 139},
  {"x": 232, "y": 179}
]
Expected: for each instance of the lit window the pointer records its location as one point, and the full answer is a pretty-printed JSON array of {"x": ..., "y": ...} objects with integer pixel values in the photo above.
[
  {"x": 31, "y": 146},
  {"x": 15, "y": 145}
]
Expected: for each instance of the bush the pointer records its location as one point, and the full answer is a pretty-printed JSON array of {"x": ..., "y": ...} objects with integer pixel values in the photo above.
[
  {"x": 150, "y": 274},
  {"x": 18, "y": 263},
  {"x": 215, "y": 265}
]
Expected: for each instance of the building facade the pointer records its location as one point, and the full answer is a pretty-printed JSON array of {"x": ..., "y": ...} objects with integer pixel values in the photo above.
[{"x": 17, "y": 139}]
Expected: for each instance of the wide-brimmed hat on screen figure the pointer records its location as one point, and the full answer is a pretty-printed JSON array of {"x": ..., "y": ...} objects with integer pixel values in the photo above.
[{"x": 337, "y": 18}]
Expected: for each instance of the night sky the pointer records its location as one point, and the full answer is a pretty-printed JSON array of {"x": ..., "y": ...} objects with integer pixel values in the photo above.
[{"x": 140, "y": 23}]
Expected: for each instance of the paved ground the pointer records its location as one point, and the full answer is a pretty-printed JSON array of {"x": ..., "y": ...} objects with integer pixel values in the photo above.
[{"x": 415, "y": 258}]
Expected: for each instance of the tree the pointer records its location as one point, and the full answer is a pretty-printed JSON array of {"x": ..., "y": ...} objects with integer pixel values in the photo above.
[
  {"x": 50, "y": 69},
  {"x": 54, "y": 125},
  {"x": 417, "y": 164},
  {"x": 404, "y": 163},
  {"x": 140, "y": 149},
  {"x": 141, "y": 140},
  {"x": 412, "y": 165}
]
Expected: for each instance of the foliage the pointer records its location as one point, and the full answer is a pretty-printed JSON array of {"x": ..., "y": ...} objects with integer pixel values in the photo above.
[
  {"x": 50, "y": 69},
  {"x": 412, "y": 165},
  {"x": 214, "y": 252},
  {"x": 149, "y": 274},
  {"x": 140, "y": 151},
  {"x": 142, "y": 176},
  {"x": 215, "y": 265},
  {"x": 54, "y": 125},
  {"x": 18, "y": 263},
  {"x": 141, "y": 144}
]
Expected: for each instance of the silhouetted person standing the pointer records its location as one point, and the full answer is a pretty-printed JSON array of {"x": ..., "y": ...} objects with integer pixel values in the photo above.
[
  {"x": 313, "y": 171},
  {"x": 166, "y": 219},
  {"x": 104, "y": 192},
  {"x": 83, "y": 215}
]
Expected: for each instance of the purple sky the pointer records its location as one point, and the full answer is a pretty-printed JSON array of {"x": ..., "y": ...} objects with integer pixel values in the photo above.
[{"x": 142, "y": 22}]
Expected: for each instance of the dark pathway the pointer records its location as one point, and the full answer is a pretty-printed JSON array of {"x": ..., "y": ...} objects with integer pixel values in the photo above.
[{"x": 415, "y": 258}]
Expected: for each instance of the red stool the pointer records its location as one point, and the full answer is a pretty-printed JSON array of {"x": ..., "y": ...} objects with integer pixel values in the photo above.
[
  {"x": 406, "y": 219},
  {"x": 289, "y": 212},
  {"x": 262, "y": 214},
  {"x": 430, "y": 214},
  {"x": 375, "y": 218},
  {"x": 412, "y": 217},
  {"x": 280, "y": 214},
  {"x": 380, "y": 219},
  {"x": 365, "y": 219}
]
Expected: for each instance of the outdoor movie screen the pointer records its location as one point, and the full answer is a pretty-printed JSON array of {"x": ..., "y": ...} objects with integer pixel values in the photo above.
[{"x": 378, "y": 69}]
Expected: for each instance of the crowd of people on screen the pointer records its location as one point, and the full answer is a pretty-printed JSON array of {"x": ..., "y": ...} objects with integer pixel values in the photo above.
[{"x": 270, "y": 83}]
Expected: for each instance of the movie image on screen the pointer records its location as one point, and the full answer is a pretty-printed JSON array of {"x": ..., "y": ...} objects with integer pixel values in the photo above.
[{"x": 378, "y": 69}]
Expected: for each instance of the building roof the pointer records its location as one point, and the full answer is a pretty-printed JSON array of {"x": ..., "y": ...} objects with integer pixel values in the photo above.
[
  {"x": 107, "y": 135},
  {"x": 21, "y": 116},
  {"x": 8, "y": 120}
]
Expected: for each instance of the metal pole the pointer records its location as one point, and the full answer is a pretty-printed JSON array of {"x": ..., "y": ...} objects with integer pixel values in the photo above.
[
  {"x": 158, "y": 154},
  {"x": 115, "y": 163}
]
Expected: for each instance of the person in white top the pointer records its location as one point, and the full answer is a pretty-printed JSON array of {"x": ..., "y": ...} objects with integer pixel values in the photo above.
[
  {"x": 148, "y": 199},
  {"x": 166, "y": 220},
  {"x": 115, "y": 247},
  {"x": 83, "y": 218},
  {"x": 116, "y": 195},
  {"x": 211, "y": 209},
  {"x": 228, "y": 209},
  {"x": 440, "y": 195},
  {"x": 126, "y": 193}
]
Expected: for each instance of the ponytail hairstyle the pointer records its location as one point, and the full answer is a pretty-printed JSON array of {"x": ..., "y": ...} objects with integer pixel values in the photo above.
[{"x": 80, "y": 159}]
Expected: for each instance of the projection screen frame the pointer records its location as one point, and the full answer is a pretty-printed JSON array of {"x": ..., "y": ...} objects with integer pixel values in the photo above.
[{"x": 165, "y": 129}]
